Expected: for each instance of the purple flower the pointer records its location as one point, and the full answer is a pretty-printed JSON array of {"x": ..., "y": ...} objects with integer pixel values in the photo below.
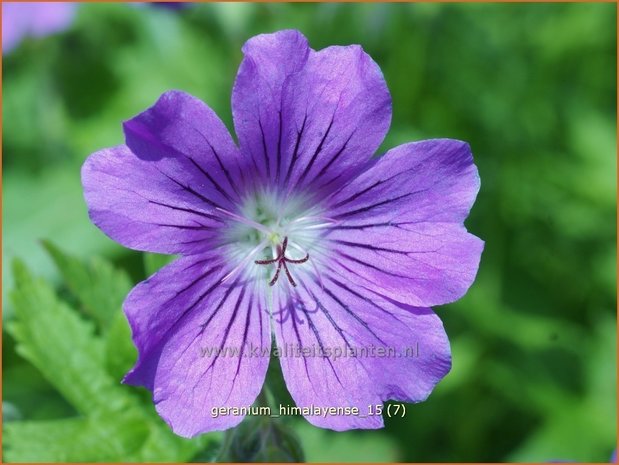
[
  {"x": 36, "y": 19},
  {"x": 297, "y": 231}
]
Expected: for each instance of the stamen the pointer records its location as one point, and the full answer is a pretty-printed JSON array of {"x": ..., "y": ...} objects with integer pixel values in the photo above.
[
  {"x": 246, "y": 221},
  {"x": 284, "y": 246},
  {"x": 274, "y": 280},
  {"x": 315, "y": 226},
  {"x": 296, "y": 246},
  {"x": 246, "y": 260},
  {"x": 304, "y": 219},
  {"x": 313, "y": 263},
  {"x": 281, "y": 261},
  {"x": 294, "y": 284},
  {"x": 266, "y": 262},
  {"x": 301, "y": 260}
]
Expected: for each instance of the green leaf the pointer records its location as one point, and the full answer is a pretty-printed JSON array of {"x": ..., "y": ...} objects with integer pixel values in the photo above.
[
  {"x": 64, "y": 218},
  {"x": 62, "y": 345},
  {"x": 120, "y": 353},
  {"x": 75, "y": 440},
  {"x": 99, "y": 287},
  {"x": 583, "y": 427},
  {"x": 129, "y": 437},
  {"x": 154, "y": 262},
  {"x": 65, "y": 349}
]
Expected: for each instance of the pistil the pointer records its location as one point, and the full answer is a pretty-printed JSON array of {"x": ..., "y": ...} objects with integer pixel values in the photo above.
[{"x": 282, "y": 261}]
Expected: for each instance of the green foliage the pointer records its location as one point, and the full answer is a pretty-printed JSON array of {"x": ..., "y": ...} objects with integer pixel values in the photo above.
[
  {"x": 61, "y": 345},
  {"x": 40, "y": 207},
  {"x": 74, "y": 440},
  {"x": 112, "y": 423},
  {"x": 99, "y": 286},
  {"x": 153, "y": 262},
  {"x": 577, "y": 426},
  {"x": 532, "y": 87},
  {"x": 120, "y": 353}
]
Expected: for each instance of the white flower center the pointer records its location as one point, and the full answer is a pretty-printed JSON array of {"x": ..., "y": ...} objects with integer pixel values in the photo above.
[{"x": 271, "y": 236}]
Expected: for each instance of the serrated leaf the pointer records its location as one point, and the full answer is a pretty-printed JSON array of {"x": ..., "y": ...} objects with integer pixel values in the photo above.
[
  {"x": 98, "y": 438},
  {"x": 99, "y": 287},
  {"x": 65, "y": 349},
  {"x": 62, "y": 346},
  {"x": 75, "y": 440},
  {"x": 120, "y": 353}
]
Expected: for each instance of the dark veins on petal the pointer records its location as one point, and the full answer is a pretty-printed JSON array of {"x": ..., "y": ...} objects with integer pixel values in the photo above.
[
  {"x": 370, "y": 207},
  {"x": 295, "y": 153},
  {"x": 320, "y": 345},
  {"x": 344, "y": 287},
  {"x": 316, "y": 153},
  {"x": 226, "y": 334},
  {"x": 369, "y": 265},
  {"x": 188, "y": 210},
  {"x": 279, "y": 148},
  {"x": 213, "y": 182},
  {"x": 188, "y": 188},
  {"x": 264, "y": 150},
  {"x": 335, "y": 157},
  {"x": 218, "y": 158}
]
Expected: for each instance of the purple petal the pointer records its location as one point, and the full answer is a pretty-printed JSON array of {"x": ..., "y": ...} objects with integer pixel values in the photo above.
[
  {"x": 335, "y": 114},
  {"x": 336, "y": 315},
  {"x": 256, "y": 97},
  {"x": 311, "y": 120},
  {"x": 162, "y": 194},
  {"x": 187, "y": 141},
  {"x": 37, "y": 19},
  {"x": 400, "y": 224},
  {"x": 135, "y": 204},
  {"x": 178, "y": 316},
  {"x": 48, "y": 18},
  {"x": 14, "y": 24}
]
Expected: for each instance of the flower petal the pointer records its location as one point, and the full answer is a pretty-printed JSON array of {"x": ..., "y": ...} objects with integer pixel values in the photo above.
[
  {"x": 162, "y": 194},
  {"x": 37, "y": 19},
  {"x": 135, "y": 204},
  {"x": 360, "y": 349},
  {"x": 186, "y": 140},
  {"x": 256, "y": 97},
  {"x": 15, "y": 24},
  {"x": 202, "y": 344},
  {"x": 310, "y": 120},
  {"x": 400, "y": 224},
  {"x": 335, "y": 113}
]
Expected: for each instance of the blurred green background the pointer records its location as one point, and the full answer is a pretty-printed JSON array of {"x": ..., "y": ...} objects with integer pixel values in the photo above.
[{"x": 532, "y": 87}]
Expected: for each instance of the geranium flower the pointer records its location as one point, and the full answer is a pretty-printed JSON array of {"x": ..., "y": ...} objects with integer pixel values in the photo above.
[
  {"x": 36, "y": 19},
  {"x": 297, "y": 231}
]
